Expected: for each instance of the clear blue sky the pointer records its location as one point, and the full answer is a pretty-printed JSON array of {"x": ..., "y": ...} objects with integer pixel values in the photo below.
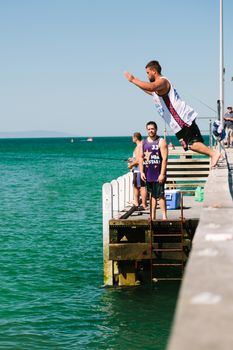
[{"x": 62, "y": 61}]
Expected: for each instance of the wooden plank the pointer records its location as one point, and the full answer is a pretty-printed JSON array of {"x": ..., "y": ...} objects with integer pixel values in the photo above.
[
  {"x": 183, "y": 184},
  {"x": 129, "y": 222},
  {"x": 193, "y": 178},
  {"x": 129, "y": 251},
  {"x": 141, "y": 222},
  {"x": 188, "y": 160},
  {"x": 180, "y": 151},
  {"x": 187, "y": 166},
  {"x": 187, "y": 174}
]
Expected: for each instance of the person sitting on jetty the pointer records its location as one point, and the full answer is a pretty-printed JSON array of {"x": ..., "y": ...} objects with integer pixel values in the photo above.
[
  {"x": 228, "y": 126},
  {"x": 176, "y": 113},
  {"x": 153, "y": 166},
  {"x": 138, "y": 184}
]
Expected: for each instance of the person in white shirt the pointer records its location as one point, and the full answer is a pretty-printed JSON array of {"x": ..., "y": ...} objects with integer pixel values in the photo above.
[
  {"x": 176, "y": 113},
  {"x": 228, "y": 125}
]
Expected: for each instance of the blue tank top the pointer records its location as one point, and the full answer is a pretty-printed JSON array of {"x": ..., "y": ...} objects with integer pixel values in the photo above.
[{"x": 152, "y": 160}]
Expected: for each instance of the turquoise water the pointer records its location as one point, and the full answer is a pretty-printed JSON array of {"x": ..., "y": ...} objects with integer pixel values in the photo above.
[{"x": 52, "y": 294}]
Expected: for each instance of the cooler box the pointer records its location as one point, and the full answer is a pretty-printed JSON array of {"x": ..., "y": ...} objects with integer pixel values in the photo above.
[{"x": 172, "y": 199}]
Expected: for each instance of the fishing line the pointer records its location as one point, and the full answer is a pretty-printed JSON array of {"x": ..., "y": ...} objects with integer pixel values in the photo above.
[
  {"x": 205, "y": 104},
  {"x": 104, "y": 158}
]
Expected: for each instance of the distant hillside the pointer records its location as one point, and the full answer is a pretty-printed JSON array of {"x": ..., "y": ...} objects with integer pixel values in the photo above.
[{"x": 34, "y": 134}]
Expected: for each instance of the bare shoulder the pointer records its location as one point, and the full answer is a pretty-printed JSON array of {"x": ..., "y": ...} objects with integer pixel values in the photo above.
[
  {"x": 162, "y": 142},
  {"x": 164, "y": 79},
  {"x": 163, "y": 85},
  {"x": 138, "y": 149}
]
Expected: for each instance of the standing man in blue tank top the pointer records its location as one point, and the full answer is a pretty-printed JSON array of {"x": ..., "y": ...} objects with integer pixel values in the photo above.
[
  {"x": 176, "y": 113},
  {"x": 153, "y": 166}
]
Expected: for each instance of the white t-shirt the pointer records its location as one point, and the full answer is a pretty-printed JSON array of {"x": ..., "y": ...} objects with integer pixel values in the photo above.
[{"x": 174, "y": 110}]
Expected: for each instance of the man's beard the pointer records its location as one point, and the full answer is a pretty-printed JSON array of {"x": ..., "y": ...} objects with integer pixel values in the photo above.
[{"x": 152, "y": 79}]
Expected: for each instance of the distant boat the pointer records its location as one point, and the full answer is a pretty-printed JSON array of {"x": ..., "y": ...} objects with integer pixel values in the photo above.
[
  {"x": 90, "y": 139},
  {"x": 71, "y": 140}
]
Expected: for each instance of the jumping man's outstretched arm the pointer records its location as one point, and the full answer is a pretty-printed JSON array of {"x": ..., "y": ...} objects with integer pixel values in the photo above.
[{"x": 149, "y": 87}]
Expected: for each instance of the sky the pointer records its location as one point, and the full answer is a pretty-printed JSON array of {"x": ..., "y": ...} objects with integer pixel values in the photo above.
[{"x": 62, "y": 62}]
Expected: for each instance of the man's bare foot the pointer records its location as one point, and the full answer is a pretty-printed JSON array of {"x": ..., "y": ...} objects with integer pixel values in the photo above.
[
  {"x": 215, "y": 158},
  {"x": 164, "y": 218}
]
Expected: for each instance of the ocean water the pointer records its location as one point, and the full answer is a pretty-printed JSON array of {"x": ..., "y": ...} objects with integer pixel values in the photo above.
[{"x": 51, "y": 291}]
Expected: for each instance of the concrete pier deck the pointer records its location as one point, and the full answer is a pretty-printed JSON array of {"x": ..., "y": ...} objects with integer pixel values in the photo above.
[
  {"x": 204, "y": 314},
  {"x": 191, "y": 210}
]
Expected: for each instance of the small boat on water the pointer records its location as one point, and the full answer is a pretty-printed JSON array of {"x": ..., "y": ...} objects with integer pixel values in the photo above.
[{"x": 90, "y": 139}]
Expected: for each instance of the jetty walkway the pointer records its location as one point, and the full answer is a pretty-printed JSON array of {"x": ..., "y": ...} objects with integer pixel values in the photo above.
[{"x": 204, "y": 313}]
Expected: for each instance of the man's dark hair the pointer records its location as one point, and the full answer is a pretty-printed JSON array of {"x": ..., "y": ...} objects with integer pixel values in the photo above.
[
  {"x": 155, "y": 65},
  {"x": 152, "y": 123},
  {"x": 138, "y": 136}
]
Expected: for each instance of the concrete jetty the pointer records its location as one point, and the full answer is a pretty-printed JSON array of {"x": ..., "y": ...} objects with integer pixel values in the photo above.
[{"x": 204, "y": 313}]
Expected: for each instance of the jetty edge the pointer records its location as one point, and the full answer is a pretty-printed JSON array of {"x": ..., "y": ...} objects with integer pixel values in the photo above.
[{"x": 203, "y": 318}]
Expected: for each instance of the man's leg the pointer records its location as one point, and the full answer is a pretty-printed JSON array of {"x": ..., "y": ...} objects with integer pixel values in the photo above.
[
  {"x": 153, "y": 208},
  {"x": 228, "y": 137},
  {"x": 199, "y": 147},
  {"x": 136, "y": 196},
  {"x": 144, "y": 196},
  {"x": 231, "y": 138},
  {"x": 163, "y": 207}
]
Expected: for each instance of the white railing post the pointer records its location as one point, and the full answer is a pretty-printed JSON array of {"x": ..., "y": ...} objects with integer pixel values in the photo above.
[
  {"x": 115, "y": 194},
  {"x": 121, "y": 182},
  {"x": 131, "y": 194},
  {"x": 107, "y": 207},
  {"x": 127, "y": 189}
]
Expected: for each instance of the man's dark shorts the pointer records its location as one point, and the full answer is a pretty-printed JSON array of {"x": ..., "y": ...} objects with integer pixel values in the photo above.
[
  {"x": 156, "y": 189},
  {"x": 137, "y": 181},
  {"x": 188, "y": 135}
]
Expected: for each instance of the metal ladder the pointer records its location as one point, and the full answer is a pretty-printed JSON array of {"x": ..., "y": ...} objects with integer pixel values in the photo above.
[{"x": 163, "y": 233}]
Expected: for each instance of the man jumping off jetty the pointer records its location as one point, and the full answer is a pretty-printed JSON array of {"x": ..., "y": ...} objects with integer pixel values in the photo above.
[{"x": 176, "y": 113}]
